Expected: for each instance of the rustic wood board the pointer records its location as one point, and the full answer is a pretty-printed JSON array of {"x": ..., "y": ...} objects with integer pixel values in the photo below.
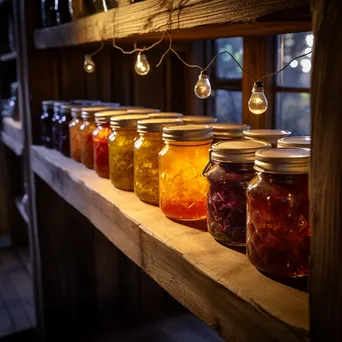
[
  {"x": 12, "y": 135},
  {"x": 217, "y": 284},
  {"x": 192, "y": 19},
  {"x": 10, "y": 56}
]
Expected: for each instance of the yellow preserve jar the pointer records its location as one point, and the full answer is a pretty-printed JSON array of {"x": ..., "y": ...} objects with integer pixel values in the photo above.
[
  {"x": 74, "y": 133},
  {"x": 121, "y": 150},
  {"x": 146, "y": 151},
  {"x": 182, "y": 187}
]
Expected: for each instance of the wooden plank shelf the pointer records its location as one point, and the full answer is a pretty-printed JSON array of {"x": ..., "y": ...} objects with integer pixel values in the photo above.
[
  {"x": 193, "y": 19},
  {"x": 12, "y": 135},
  {"x": 217, "y": 284},
  {"x": 8, "y": 57}
]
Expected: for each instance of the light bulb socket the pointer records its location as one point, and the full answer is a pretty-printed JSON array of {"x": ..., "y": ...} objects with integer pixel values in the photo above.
[
  {"x": 87, "y": 58},
  {"x": 258, "y": 87},
  {"x": 203, "y": 76}
]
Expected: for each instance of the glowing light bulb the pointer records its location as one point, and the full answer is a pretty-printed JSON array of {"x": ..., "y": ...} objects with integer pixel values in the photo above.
[
  {"x": 258, "y": 103},
  {"x": 88, "y": 65},
  {"x": 142, "y": 66},
  {"x": 202, "y": 88}
]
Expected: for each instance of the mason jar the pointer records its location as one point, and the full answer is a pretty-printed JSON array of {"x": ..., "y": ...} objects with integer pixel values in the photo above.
[
  {"x": 146, "y": 151},
  {"x": 182, "y": 186},
  {"x": 141, "y": 111},
  {"x": 74, "y": 133},
  {"x": 198, "y": 120},
  {"x": 269, "y": 135},
  {"x": 278, "y": 227},
  {"x": 229, "y": 171},
  {"x": 55, "y": 123},
  {"x": 46, "y": 123},
  {"x": 295, "y": 142},
  {"x": 63, "y": 127},
  {"x": 121, "y": 150},
  {"x": 165, "y": 115},
  {"x": 228, "y": 131}
]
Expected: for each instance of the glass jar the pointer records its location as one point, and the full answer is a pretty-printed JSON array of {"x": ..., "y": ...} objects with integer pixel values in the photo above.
[
  {"x": 46, "y": 123},
  {"x": 121, "y": 150},
  {"x": 229, "y": 171},
  {"x": 198, "y": 120},
  {"x": 48, "y": 13},
  {"x": 278, "y": 230},
  {"x": 141, "y": 111},
  {"x": 100, "y": 141},
  {"x": 146, "y": 151},
  {"x": 55, "y": 123},
  {"x": 182, "y": 186},
  {"x": 74, "y": 133},
  {"x": 295, "y": 142},
  {"x": 228, "y": 131},
  {"x": 269, "y": 135},
  {"x": 86, "y": 134},
  {"x": 165, "y": 115},
  {"x": 63, "y": 125}
]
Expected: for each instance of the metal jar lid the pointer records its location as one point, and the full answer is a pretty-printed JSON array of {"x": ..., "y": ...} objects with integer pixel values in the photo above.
[
  {"x": 48, "y": 104},
  {"x": 165, "y": 115},
  {"x": 269, "y": 135},
  {"x": 157, "y": 125},
  {"x": 143, "y": 110},
  {"x": 57, "y": 105},
  {"x": 295, "y": 142},
  {"x": 198, "y": 119},
  {"x": 283, "y": 161},
  {"x": 229, "y": 131},
  {"x": 187, "y": 133},
  {"x": 104, "y": 116},
  {"x": 68, "y": 108},
  {"x": 237, "y": 151},
  {"x": 126, "y": 121},
  {"x": 89, "y": 112}
]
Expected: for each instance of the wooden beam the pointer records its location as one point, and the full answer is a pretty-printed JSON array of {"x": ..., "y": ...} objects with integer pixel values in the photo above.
[
  {"x": 12, "y": 135},
  {"x": 217, "y": 284},
  {"x": 193, "y": 19},
  {"x": 326, "y": 171}
]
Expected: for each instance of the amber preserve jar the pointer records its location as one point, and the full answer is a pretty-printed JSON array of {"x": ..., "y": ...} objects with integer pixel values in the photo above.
[
  {"x": 182, "y": 186},
  {"x": 74, "y": 133},
  {"x": 228, "y": 131},
  {"x": 146, "y": 151},
  {"x": 278, "y": 229},
  {"x": 269, "y": 135},
  {"x": 86, "y": 134},
  {"x": 100, "y": 141},
  {"x": 295, "y": 142},
  {"x": 229, "y": 171},
  {"x": 121, "y": 150},
  {"x": 46, "y": 123}
]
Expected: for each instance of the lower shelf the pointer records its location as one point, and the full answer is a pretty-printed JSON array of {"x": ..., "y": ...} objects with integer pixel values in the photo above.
[{"x": 217, "y": 284}]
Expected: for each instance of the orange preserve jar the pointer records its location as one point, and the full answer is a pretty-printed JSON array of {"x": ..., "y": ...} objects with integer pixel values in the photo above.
[
  {"x": 146, "y": 151},
  {"x": 182, "y": 187},
  {"x": 100, "y": 141},
  {"x": 228, "y": 131},
  {"x": 269, "y": 135},
  {"x": 121, "y": 150},
  {"x": 86, "y": 134},
  {"x": 198, "y": 120},
  {"x": 74, "y": 133}
]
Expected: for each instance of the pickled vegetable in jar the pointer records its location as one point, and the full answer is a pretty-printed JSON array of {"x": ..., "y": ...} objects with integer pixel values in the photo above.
[
  {"x": 182, "y": 186},
  {"x": 295, "y": 142},
  {"x": 165, "y": 115},
  {"x": 55, "y": 123},
  {"x": 86, "y": 134},
  {"x": 229, "y": 171},
  {"x": 100, "y": 141},
  {"x": 198, "y": 120},
  {"x": 46, "y": 123},
  {"x": 228, "y": 131},
  {"x": 74, "y": 133},
  {"x": 269, "y": 135},
  {"x": 121, "y": 150},
  {"x": 146, "y": 151},
  {"x": 278, "y": 228},
  {"x": 63, "y": 125}
]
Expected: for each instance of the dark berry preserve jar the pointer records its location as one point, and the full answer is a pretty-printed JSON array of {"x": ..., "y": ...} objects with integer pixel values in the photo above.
[
  {"x": 229, "y": 171},
  {"x": 278, "y": 229},
  {"x": 55, "y": 123},
  {"x": 46, "y": 123}
]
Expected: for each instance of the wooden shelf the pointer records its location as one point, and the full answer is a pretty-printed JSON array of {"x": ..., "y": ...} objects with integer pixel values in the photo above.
[
  {"x": 191, "y": 20},
  {"x": 12, "y": 136},
  {"x": 22, "y": 210},
  {"x": 217, "y": 284},
  {"x": 8, "y": 57}
]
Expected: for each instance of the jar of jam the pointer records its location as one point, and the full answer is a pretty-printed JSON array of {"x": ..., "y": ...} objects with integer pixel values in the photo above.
[
  {"x": 229, "y": 171},
  {"x": 86, "y": 134},
  {"x": 146, "y": 151},
  {"x": 63, "y": 124},
  {"x": 46, "y": 123},
  {"x": 55, "y": 123},
  {"x": 269, "y": 135},
  {"x": 278, "y": 229},
  {"x": 74, "y": 133},
  {"x": 198, "y": 120},
  {"x": 121, "y": 150},
  {"x": 182, "y": 186},
  {"x": 228, "y": 131},
  {"x": 141, "y": 111},
  {"x": 165, "y": 115},
  {"x": 295, "y": 142},
  {"x": 100, "y": 141}
]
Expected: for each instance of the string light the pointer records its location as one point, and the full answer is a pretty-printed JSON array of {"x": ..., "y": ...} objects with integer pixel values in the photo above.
[
  {"x": 202, "y": 88},
  {"x": 258, "y": 103},
  {"x": 142, "y": 66},
  {"x": 88, "y": 65}
]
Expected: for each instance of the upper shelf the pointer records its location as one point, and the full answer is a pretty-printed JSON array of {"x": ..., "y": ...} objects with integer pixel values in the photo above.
[
  {"x": 192, "y": 19},
  {"x": 12, "y": 135},
  {"x": 216, "y": 283},
  {"x": 10, "y": 56}
]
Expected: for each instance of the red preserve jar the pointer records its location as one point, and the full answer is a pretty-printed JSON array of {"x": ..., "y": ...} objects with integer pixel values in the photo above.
[
  {"x": 278, "y": 230},
  {"x": 229, "y": 171}
]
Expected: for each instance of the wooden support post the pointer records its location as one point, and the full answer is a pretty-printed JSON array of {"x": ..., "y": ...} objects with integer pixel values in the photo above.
[{"x": 326, "y": 174}]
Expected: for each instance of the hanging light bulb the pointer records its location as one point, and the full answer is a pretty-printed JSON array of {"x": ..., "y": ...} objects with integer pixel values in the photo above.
[
  {"x": 142, "y": 66},
  {"x": 88, "y": 65},
  {"x": 258, "y": 103},
  {"x": 202, "y": 88}
]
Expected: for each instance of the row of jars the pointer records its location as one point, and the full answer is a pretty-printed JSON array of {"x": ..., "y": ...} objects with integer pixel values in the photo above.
[{"x": 166, "y": 162}]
